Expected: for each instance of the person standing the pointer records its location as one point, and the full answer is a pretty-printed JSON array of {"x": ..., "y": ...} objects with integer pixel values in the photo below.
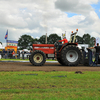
[
  {"x": 13, "y": 54},
  {"x": 23, "y": 54},
  {"x": 8, "y": 53},
  {"x": 11, "y": 51},
  {"x": 18, "y": 54},
  {"x": 97, "y": 52},
  {"x": 31, "y": 51}
]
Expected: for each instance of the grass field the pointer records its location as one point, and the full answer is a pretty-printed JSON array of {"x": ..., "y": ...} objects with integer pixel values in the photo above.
[{"x": 55, "y": 85}]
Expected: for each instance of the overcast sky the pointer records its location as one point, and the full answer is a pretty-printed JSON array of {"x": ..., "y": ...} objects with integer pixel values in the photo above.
[{"x": 38, "y": 17}]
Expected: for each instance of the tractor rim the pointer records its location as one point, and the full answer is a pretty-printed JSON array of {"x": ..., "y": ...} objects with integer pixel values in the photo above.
[
  {"x": 38, "y": 58},
  {"x": 72, "y": 56}
]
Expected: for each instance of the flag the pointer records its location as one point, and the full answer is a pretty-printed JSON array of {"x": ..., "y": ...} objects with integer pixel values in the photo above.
[{"x": 6, "y": 35}]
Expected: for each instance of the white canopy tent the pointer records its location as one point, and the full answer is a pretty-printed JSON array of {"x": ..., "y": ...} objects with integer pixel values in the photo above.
[{"x": 1, "y": 47}]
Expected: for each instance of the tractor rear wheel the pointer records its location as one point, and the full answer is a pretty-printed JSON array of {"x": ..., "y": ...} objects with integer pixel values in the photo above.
[
  {"x": 38, "y": 58},
  {"x": 60, "y": 61},
  {"x": 71, "y": 55}
]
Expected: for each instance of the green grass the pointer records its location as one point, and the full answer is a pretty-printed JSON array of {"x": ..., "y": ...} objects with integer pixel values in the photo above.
[{"x": 55, "y": 85}]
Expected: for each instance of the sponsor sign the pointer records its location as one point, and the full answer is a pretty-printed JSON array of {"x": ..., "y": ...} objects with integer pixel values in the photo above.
[{"x": 12, "y": 43}]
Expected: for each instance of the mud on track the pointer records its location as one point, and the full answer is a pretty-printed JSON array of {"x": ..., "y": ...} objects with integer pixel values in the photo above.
[{"x": 27, "y": 66}]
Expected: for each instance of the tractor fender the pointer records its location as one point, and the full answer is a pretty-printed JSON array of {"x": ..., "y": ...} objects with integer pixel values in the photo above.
[{"x": 66, "y": 44}]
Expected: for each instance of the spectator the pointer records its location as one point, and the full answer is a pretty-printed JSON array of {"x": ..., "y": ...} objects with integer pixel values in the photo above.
[
  {"x": 23, "y": 54},
  {"x": 2, "y": 54},
  {"x": 13, "y": 54},
  {"x": 31, "y": 51},
  {"x": 97, "y": 52},
  {"x": 10, "y": 55},
  {"x": 18, "y": 56},
  {"x": 5, "y": 53}
]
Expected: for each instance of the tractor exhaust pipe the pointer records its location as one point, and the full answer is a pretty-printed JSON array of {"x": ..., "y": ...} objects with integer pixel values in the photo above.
[{"x": 46, "y": 39}]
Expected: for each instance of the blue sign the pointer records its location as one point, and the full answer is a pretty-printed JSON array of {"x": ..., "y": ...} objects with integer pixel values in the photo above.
[{"x": 10, "y": 41}]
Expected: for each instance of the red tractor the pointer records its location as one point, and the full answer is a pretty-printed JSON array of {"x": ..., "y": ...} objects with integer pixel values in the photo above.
[{"x": 67, "y": 54}]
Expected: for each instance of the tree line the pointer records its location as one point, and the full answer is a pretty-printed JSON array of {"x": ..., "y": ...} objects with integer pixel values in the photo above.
[
  {"x": 26, "y": 41},
  {"x": 86, "y": 39}
]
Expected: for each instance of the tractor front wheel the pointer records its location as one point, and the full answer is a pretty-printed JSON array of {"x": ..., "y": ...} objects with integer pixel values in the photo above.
[{"x": 38, "y": 58}]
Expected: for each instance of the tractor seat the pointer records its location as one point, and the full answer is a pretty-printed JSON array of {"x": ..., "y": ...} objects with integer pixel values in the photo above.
[{"x": 60, "y": 45}]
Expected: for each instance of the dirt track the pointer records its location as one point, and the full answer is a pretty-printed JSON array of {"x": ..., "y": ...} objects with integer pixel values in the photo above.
[{"x": 27, "y": 66}]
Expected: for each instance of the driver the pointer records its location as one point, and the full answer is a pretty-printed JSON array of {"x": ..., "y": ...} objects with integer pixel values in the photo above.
[{"x": 64, "y": 40}]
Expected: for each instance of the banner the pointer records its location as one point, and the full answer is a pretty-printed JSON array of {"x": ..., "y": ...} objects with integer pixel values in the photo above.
[{"x": 12, "y": 43}]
